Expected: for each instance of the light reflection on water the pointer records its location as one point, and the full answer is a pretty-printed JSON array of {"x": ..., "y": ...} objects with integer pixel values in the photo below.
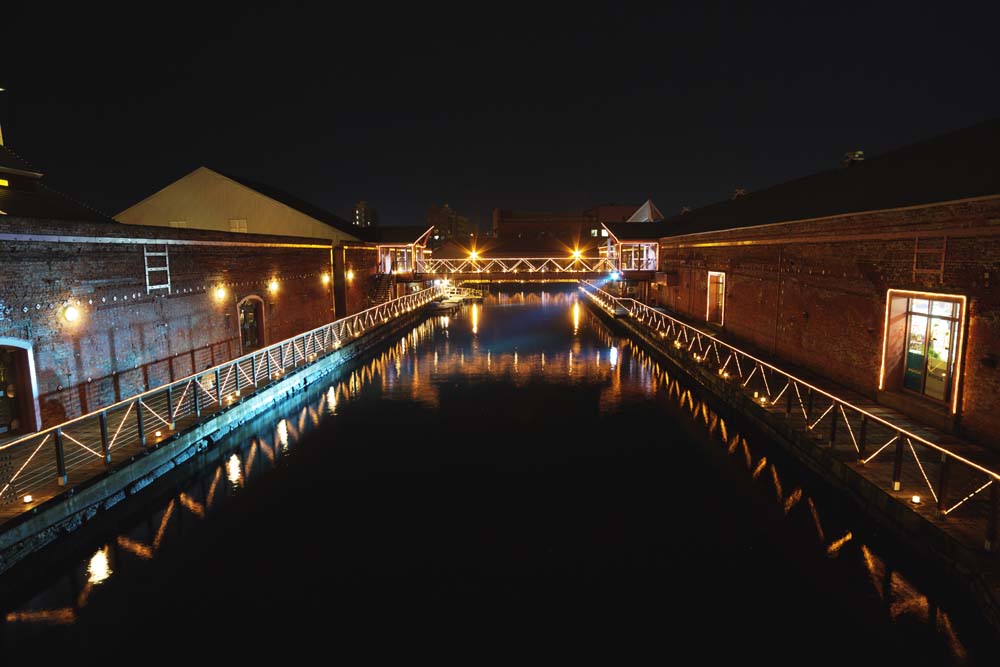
[{"x": 432, "y": 355}]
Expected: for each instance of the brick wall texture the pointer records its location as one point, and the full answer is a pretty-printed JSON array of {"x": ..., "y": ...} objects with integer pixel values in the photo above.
[
  {"x": 125, "y": 340},
  {"x": 814, "y": 292}
]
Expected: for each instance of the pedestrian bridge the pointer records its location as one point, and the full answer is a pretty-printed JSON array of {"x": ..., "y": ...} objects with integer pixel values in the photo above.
[{"x": 473, "y": 267}]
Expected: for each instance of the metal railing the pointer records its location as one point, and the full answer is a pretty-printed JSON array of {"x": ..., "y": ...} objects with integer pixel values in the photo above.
[
  {"x": 452, "y": 290},
  {"x": 519, "y": 265},
  {"x": 40, "y": 465},
  {"x": 956, "y": 482}
]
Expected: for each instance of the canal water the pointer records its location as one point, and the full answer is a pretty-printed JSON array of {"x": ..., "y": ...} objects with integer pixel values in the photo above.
[{"x": 510, "y": 476}]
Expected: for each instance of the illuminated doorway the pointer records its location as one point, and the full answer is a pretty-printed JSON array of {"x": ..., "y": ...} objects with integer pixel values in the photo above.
[
  {"x": 931, "y": 332},
  {"x": 19, "y": 411},
  {"x": 251, "y": 310},
  {"x": 715, "y": 312}
]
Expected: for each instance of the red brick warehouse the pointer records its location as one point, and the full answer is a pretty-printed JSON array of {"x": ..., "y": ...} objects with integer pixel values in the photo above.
[{"x": 879, "y": 274}]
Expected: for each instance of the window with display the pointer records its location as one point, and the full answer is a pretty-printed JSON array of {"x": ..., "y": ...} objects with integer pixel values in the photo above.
[{"x": 931, "y": 333}]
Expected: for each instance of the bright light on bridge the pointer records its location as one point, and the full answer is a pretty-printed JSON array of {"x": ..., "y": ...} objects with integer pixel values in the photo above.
[
  {"x": 577, "y": 254},
  {"x": 473, "y": 255}
]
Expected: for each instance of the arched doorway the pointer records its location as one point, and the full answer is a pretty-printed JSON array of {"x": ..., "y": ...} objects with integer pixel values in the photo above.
[
  {"x": 251, "y": 319},
  {"x": 19, "y": 411}
]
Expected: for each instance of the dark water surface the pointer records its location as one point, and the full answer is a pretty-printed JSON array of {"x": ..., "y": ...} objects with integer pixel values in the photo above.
[{"x": 511, "y": 476}]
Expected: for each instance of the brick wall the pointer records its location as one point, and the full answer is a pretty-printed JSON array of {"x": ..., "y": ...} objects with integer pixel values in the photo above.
[
  {"x": 814, "y": 292},
  {"x": 361, "y": 261},
  {"x": 125, "y": 340}
]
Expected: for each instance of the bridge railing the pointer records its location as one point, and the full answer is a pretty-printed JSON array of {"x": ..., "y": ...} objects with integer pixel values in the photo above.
[
  {"x": 958, "y": 484},
  {"x": 520, "y": 265},
  {"x": 39, "y": 465}
]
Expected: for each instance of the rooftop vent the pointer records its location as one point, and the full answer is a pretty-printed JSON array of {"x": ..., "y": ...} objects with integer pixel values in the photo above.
[{"x": 853, "y": 157}]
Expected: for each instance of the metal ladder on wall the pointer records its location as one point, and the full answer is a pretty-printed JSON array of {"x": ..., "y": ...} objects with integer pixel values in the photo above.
[{"x": 158, "y": 268}]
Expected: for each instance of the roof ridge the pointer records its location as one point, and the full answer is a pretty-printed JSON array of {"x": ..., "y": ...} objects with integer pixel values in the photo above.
[{"x": 77, "y": 202}]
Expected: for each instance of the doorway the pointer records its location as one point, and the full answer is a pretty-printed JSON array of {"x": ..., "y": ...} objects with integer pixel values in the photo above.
[
  {"x": 715, "y": 312},
  {"x": 19, "y": 411},
  {"x": 931, "y": 331},
  {"x": 251, "y": 311}
]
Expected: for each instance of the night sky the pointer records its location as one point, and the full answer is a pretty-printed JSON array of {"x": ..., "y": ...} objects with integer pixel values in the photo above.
[{"x": 499, "y": 105}]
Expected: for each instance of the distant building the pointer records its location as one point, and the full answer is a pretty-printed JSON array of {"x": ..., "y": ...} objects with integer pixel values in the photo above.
[
  {"x": 582, "y": 228},
  {"x": 447, "y": 223},
  {"x": 365, "y": 215}
]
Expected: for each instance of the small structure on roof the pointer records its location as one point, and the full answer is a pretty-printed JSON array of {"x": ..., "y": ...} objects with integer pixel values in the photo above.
[{"x": 646, "y": 213}]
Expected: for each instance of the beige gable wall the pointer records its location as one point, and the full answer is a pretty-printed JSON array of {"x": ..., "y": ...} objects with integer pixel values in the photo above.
[{"x": 205, "y": 199}]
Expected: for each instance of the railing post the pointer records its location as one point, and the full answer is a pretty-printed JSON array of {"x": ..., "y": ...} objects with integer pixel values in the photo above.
[
  {"x": 788, "y": 404},
  {"x": 809, "y": 404},
  {"x": 61, "y": 475},
  {"x": 218, "y": 387},
  {"x": 253, "y": 368},
  {"x": 197, "y": 397},
  {"x": 267, "y": 364},
  {"x": 991, "y": 521},
  {"x": 140, "y": 427},
  {"x": 897, "y": 466},
  {"x": 833, "y": 424},
  {"x": 170, "y": 406},
  {"x": 294, "y": 361},
  {"x": 943, "y": 483},
  {"x": 105, "y": 445},
  {"x": 863, "y": 436},
  {"x": 237, "y": 377},
  {"x": 281, "y": 357}
]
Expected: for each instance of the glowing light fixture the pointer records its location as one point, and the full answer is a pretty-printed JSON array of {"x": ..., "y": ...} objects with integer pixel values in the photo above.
[
  {"x": 577, "y": 253},
  {"x": 350, "y": 275},
  {"x": 916, "y": 500},
  {"x": 220, "y": 292},
  {"x": 326, "y": 278},
  {"x": 158, "y": 434},
  {"x": 71, "y": 313},
  {"x": 473, "y": 255},
  {"x": 28, "y": 499},
  {"x": 273, "y": 285}
]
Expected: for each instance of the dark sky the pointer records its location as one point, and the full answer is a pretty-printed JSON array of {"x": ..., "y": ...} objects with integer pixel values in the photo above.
[{"x": 497, "y": 105}]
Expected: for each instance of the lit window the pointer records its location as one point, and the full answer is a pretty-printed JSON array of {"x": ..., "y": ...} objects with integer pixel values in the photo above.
[
  {"x": 922, "y": 342},
  {"x": 593, "y": 232},
  {"x": 238, "y": 226},
  {"x": 4, "y": 183},
  {"x": 604, "y": 232}
]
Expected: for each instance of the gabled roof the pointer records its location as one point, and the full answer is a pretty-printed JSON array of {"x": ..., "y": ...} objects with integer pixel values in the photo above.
[
  {"x": 398, "y": 235},
  {"x": 12, "y": 162},
  {"x": 623, "y": 232},
  {"x": 294, "y": 202},
  {"x": 958, "y": 165},
  {"x": 646, "y": 213}
]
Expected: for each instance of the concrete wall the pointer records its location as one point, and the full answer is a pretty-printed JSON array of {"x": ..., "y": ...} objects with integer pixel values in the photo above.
[
  {"x": 814, "y": 293},
  {"x": 205, "y": 199},
  {"x": 125, "y": 340}
]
